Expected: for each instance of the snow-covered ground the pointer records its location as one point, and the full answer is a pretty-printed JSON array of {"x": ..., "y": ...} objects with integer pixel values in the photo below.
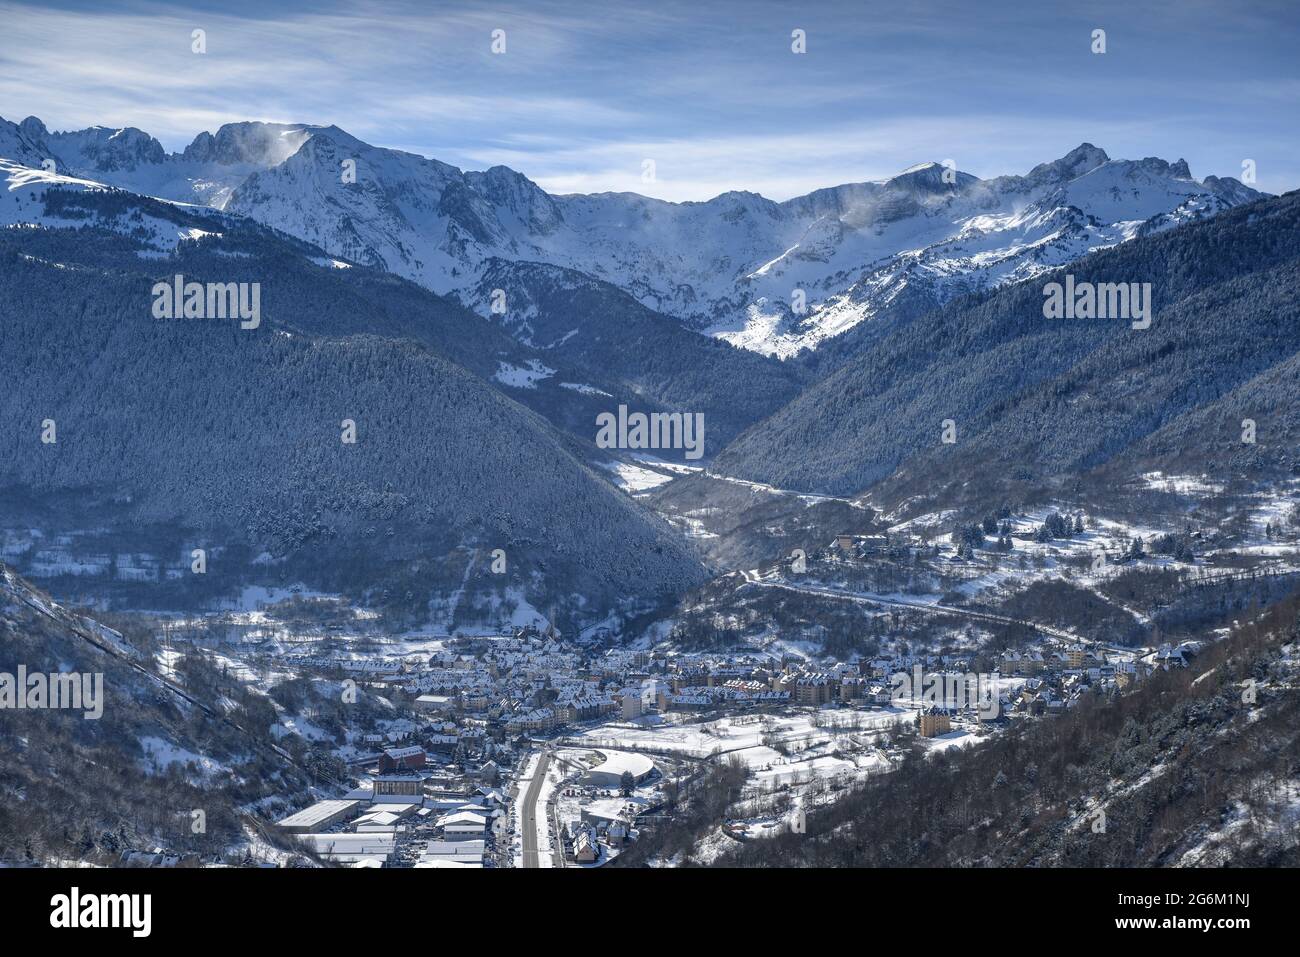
[
  {"x": 635, "y": 478},
  {"x": 160, "y": 754},
  {"x": 522, "y": 377},
  {"x": 726, "y": 736}
]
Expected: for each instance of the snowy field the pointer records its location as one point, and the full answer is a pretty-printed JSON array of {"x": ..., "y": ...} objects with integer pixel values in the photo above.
[{"x": 737, "y": 734}]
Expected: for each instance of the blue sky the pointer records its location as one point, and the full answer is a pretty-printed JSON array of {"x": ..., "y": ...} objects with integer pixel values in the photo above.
[{"x": 711, "y": 91}]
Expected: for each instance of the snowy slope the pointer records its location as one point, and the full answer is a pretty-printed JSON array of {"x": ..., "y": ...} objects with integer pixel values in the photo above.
[
  {"x": 161, "y": 226},
  {"x": 934, "y": 241}
]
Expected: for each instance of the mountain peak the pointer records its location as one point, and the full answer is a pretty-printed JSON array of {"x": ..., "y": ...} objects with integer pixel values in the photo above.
[
  {"x": 1082, "y": 159},
  {"x": 1160, "y": 167},
  {"x": 1086, "y": 153},
  {"x": 107, "y": 149},
  {"x": 262, "y": 144},
  {"x": 930, "y": 176},
  {"x": 33, "y": 128}
]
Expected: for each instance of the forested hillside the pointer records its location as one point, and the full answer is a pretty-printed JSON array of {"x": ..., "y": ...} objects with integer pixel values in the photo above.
[
  {"x": 237, "y": 434},
  {"x": 1033, "y": 398},
  {"x": 599, "y": 328}
]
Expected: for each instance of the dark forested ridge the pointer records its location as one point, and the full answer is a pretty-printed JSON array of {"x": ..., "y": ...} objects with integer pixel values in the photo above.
[
  {"x": 236, "y": 434},
  {"x": 597, "y": 327},
  {"x": 1034, "y": 398}
]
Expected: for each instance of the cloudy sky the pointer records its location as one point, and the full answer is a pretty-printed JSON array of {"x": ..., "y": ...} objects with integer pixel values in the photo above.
[{"x": 709, "y": 90}]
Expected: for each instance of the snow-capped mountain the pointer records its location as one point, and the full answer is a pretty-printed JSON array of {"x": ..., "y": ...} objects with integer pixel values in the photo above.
[
  {"x": 925, "y": 242},
  {"x": 772, "y": 277},
  {"x": 205, "y": 173},
  {"x": 730, "y": 266},
  {"x": 18, "y": 147}
]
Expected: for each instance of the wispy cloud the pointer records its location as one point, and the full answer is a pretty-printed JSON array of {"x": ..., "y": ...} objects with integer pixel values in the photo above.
[{"x": 711, "y": 92}]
